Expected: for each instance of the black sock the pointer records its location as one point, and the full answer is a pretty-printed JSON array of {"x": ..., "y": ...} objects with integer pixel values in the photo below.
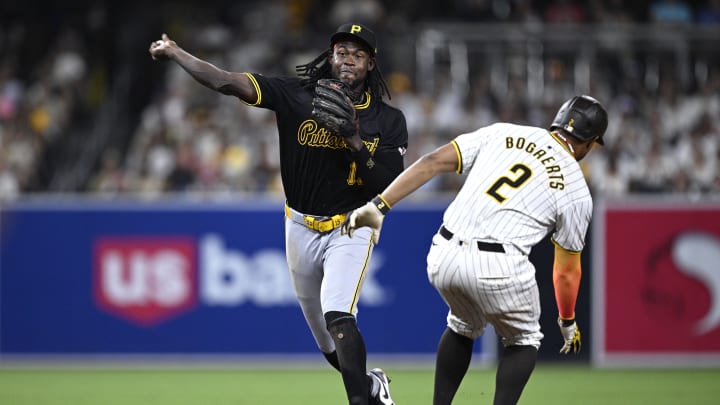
[
  {"x": 332, "y": 358},
  {"x": 451, "y": 364},
  {"x": 516, "y": 365},
  {"x": 351, "y": 354}
]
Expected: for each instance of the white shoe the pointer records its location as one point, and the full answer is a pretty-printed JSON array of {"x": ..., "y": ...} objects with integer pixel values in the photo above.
[{"x": 381, "y": 387}]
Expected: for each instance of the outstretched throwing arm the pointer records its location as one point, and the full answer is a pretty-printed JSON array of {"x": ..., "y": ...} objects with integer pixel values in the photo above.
[{"x": 207, "y": 74}]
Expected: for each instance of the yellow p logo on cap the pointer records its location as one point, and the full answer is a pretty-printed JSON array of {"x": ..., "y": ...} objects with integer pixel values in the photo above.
[{"x": 355, "y": 28}]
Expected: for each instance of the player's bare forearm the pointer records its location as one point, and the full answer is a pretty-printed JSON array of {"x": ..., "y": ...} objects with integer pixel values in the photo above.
[
  {"x": 443, "y": 159},
  {"x": 567, "y": 272},
  {"x": 209, "y": 75}
]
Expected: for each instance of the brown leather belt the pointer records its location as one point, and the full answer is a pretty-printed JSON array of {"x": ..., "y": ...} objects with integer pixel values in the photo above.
[{"x": 485, "y": 246}]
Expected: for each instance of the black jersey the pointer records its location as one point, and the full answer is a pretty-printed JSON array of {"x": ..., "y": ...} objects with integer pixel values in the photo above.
[{"x": 320, "y": 174}]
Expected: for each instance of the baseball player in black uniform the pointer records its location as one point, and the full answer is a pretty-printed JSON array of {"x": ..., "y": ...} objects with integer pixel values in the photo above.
[{"x": 325, "y": 175}]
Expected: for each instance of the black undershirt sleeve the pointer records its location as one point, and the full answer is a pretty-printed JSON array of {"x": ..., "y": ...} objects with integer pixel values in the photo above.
[
  {"x": 381, "y": 167},
  {"x": 380, "y": 170}
]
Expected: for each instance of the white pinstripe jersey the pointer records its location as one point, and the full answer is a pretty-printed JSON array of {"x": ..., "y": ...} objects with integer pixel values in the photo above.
[{"x": 521, "y": 184}]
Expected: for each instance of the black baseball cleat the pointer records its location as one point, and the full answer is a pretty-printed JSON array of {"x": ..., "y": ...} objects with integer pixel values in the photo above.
[{"x": 380, "y": 392}]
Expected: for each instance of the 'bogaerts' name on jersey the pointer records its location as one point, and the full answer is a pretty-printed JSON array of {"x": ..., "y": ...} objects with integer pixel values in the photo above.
[{"x": 555, "y": 175}]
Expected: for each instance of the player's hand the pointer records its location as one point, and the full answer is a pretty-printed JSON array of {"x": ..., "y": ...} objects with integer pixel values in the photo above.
[
  {"x": 571, "y": 336},
  {"x": 162, "y": 48},
  {"x": 371, "y": 214},
  {"x": 354, "y": 142}
]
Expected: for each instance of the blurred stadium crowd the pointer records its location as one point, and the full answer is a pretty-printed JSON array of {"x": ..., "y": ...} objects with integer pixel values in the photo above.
[{"x": 84, "y": 109}]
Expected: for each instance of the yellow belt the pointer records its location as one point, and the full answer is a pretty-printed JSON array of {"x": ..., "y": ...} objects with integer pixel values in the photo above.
[{"x": 319, "y": 224}]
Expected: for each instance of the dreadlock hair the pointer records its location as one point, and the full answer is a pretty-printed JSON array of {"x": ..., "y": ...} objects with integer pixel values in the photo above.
[{"x": 319, "y": 68}]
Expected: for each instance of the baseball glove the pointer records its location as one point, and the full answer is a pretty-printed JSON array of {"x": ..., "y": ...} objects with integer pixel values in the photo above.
[{"x": 333, "y": 109}]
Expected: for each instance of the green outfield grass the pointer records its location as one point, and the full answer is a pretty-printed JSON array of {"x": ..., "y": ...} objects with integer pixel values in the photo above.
[{"x": 550, "y": 384}]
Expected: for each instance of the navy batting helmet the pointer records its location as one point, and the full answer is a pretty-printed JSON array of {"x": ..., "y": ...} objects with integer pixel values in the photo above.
[{"x": 582, "y": 117}]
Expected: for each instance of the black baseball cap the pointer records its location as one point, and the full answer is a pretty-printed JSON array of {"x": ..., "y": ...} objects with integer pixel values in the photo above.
[{"x": 356, "y": 33}]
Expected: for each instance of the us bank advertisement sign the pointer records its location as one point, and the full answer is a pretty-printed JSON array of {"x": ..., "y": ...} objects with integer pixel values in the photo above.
[
  {"x": 656, "y": 284},
  {"x": 166, "y": 278}
]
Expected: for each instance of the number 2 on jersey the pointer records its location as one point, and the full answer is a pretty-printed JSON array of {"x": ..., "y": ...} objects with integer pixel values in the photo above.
[{"x": 523, "y": 174}]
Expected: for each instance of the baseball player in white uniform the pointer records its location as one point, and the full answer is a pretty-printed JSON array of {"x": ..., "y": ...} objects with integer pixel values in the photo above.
[{"x": 522, "y": 183}]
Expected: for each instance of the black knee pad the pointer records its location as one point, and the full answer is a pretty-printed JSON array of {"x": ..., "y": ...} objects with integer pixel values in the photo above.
[
  {"x": 340, "y": 324},
  {"x": 334, "y": 317}
]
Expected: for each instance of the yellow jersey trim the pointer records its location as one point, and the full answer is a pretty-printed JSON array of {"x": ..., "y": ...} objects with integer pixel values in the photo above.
[
  {"x": 257, "y": 90},
  {"x": 572, "y": 252},
  {"x": 459, "y": 156},
  {"x": 561, "y": 142},
  {"x": 364, "y": 105}
]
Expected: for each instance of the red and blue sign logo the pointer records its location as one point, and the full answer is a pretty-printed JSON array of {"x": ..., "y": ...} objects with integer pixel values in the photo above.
[{"x": 145, "y": 280}]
